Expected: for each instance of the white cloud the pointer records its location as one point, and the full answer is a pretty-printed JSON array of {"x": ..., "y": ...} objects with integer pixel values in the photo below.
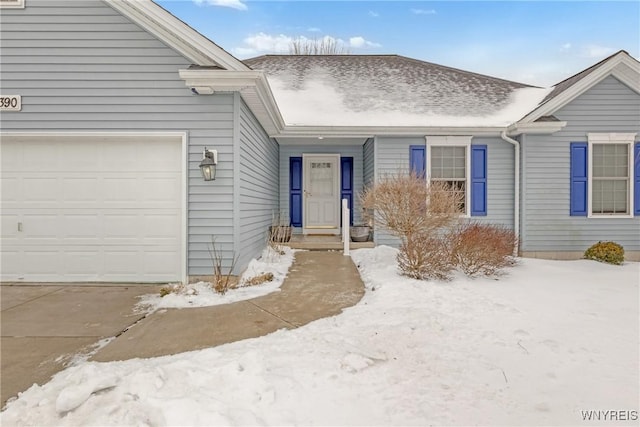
[
  {"x": 262, "y": 42},
  {"x": 596, "y": 51},
  {"x": 373, "y": 14},
  {"x": 359, "y": 42},
  {"x": 234, "y": 4},
  {"x": 314, "y": 29},
  {"x": 423, "y": 11},
  {"x": 565, "y": 47}
]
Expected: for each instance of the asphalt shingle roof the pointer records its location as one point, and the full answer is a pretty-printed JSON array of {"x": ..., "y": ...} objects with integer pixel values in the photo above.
[{"x": 385, "y": 83}]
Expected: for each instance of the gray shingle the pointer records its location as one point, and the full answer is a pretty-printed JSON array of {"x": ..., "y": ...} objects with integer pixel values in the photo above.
[{"x": 392, "y": 83}]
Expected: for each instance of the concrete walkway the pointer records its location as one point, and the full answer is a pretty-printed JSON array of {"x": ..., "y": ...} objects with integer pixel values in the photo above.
[
  {"x": 43, "y": 326},
  {"x": 319, "y": 284}
]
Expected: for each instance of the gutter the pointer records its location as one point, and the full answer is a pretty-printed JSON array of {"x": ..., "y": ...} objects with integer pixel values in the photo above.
[{"x": 516, "y": 197}]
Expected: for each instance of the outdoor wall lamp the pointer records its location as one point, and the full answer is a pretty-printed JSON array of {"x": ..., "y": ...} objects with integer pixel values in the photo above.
[{"x": 208, "y": 164}]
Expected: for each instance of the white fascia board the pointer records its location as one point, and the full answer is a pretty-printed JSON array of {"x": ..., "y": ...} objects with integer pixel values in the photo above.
[
  {"x": 535, "y": 128},
  {"x": 252, "y": 85},
  {"x": 596, "y": 76},
  {"x": 220, "y": 80},
  {"x": 268, "y": 101},
  {"x": 371, "y": 131},
  {"x": 190, "y": 43}
]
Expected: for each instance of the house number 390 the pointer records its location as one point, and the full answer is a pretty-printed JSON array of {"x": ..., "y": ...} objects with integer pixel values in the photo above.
[{"x": 10, "y": 103}]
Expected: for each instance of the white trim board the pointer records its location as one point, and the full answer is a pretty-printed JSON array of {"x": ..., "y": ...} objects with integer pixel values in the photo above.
[{"x": 621, "y": 66}]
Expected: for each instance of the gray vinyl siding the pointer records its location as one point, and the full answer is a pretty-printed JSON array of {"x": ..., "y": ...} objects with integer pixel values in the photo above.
[
  {"x": 258, "y": 186},
  {"x": 81, "y": 66},
  {"x": 393, "y": 156},
  {"x": 609, "y": 106},
  {"x": 288, "y": 151},
  {"x": 369, "y": 164},
  {"x": 500, "y": 182}
]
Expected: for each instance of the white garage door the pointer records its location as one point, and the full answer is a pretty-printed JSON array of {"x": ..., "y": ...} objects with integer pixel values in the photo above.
[{"x": 91, "y": 208}]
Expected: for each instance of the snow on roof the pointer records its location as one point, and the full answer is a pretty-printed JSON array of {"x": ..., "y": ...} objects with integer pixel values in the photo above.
[{"x": 390, "y": 90}]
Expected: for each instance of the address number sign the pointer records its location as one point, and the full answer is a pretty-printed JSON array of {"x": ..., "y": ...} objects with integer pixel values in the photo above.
[{"x": 10, "y": 103}]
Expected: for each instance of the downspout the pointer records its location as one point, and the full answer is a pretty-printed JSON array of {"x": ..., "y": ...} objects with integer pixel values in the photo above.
[{"x": 516, "y": 198}]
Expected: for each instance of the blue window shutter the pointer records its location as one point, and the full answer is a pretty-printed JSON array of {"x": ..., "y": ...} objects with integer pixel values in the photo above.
[
  {"x": 579, "y": 179},
  {"x": 636, "y": 179},
  {"x": 295, "y": 191},
  {"x": 417, "y": 159},
  {"x": 346, "y": 184},
  {"x": 478, "y": 180}
]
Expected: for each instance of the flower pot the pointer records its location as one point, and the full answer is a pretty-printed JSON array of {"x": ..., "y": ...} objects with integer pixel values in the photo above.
[
  {"x": 360, "y": 233},
  {"x": 280, "y": 233}
]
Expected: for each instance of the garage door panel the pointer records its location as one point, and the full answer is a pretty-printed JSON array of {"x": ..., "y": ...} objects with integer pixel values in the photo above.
[
  {"x": 11, "y": 188},
  {"x": 9, "y": 227},
  {"x": 10, "y": 262},
  {"x": 81, "y": 157},
  {"x": 101, "y": 208},
  {"x": 84, "y": 263},
  {"x": 37, "y": 190},
  {"x": 11, "y": 158},
  {"x": 121, "y": 226},
  {"x": 162, "y": 189},
  {"x": 41, "y": 225},
  {"x": 122, "y": 158},
  {"x": 82, "y": 226},
  {"x": 42, "y": 262},
  {"x": 120, "y": 189},
  {"x": 159, "y": 226},
  {"x": 159, "y": 262},
  {"x": 79, "y": 189},
  {"x": 121, "y": 262}
]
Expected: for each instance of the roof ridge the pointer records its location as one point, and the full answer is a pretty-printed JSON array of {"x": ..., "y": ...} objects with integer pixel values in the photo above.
[
  {"x": 588, "y": 70},
  {"x": 467, "y": 71},
  {"x": 394, "y": 55}
]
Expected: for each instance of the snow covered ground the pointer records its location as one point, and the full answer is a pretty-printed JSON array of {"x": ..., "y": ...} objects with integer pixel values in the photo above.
[
  {"x": 201, "y": 294},
  {"x": 540, "y": 345}
]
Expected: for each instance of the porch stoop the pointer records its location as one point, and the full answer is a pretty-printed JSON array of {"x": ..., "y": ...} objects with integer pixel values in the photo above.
[{"x": 313, "y": 242}]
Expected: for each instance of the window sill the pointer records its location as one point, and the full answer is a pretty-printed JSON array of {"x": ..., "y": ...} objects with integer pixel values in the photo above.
[{"x": 610, "y": 216}]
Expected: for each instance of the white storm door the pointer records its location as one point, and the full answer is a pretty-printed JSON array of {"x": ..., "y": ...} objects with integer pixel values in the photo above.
[{"x": 321, "y": 193}]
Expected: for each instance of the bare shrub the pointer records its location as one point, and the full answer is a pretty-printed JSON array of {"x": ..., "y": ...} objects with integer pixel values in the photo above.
[
  {"x": 425, "y": 257},
  {"x": 405, "y": 205},
  {"x": 481, "y": 249},
  {"x": 324, "y": 46},
  {"x": 222, "y": 281},
  {"x": 279, "y": 232},
  {"x": 257, "y": 280},
  {"x": 416, "y": 212}
]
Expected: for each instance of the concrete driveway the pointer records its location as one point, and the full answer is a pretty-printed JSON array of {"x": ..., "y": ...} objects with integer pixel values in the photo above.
[{"x": 44, "y": 325}]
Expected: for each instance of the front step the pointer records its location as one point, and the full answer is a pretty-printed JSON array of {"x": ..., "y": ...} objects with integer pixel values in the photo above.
[{"x": 323, "y": 243}]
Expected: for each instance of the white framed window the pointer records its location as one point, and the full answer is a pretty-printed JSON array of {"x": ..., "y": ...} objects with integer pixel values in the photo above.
[
  {"x": 12, "y": 4},
  {"x": 448, "y": 160},
  {"x": 610, "y": 174}
]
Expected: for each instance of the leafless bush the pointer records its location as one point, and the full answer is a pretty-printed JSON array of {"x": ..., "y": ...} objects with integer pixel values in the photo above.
[
  {"x": 425, "y": 257},
  {"x": 257, "y": 280},
  {"x": 324, "y": 46},
  {"x": 279, "y": 232},
  {"x": 481, "y": 249},
  {"x": 222, "y": 281},
  {"x": 405, "y": 205},
  {"x": 416, "y": 213}
]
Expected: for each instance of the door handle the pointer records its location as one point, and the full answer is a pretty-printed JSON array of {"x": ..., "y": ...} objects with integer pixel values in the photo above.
[{"x": 19, "y": 226}]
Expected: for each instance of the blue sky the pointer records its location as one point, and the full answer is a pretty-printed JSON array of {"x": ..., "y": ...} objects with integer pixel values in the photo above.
[{"x": 534, "y": 42}]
